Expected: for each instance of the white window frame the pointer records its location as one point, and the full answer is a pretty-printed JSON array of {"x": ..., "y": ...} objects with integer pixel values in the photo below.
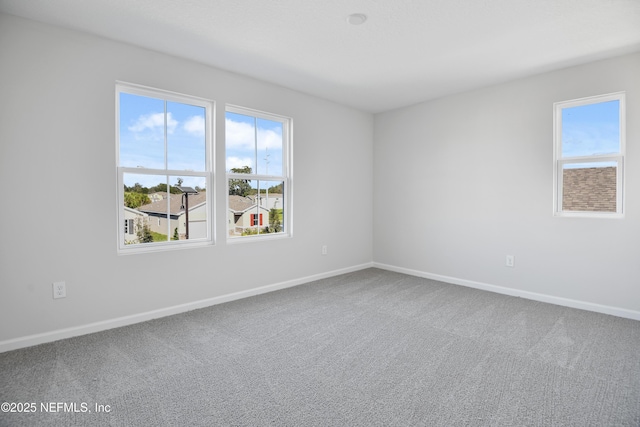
[
  {"x": 286, "y": 177},
  {"x": 208, "y": 174},
  {"x": 559, "y": 161}
]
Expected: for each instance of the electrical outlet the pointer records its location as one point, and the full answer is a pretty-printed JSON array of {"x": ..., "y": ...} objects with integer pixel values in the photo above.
[
  {"x": 59, "y": 290},
  {"x": 510, "y": 261},
  {"x": 324, "y": 249}
]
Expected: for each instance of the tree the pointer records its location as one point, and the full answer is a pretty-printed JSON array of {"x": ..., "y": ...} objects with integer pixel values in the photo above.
[
  {"x": 138, "y": 188},
  {"x": 275, "y": 225},
  {"x": 240, "y": 187},
  {"x": 277, "y": 189},
  {"x": 175, "y": 234},
  {"x": 143, "y": 231},
  {"x": 134, "y": 200},
  {"x": 162, "y": 187}
]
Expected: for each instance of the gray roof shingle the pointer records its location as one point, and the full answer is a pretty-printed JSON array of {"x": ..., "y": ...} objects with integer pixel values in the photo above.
[
  {"x": 175, "y": 203},
  {"x": 589, "y": 189}
]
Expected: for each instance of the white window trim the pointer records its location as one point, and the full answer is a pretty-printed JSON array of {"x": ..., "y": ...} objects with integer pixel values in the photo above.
[
  {"x": 559, "y": 161},
  {"x": 208, "y": 174},
  {"x": 287, "y": 177}
]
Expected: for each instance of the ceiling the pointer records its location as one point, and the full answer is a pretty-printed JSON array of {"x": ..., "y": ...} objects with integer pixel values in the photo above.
[{"x": 406, "y": 52}]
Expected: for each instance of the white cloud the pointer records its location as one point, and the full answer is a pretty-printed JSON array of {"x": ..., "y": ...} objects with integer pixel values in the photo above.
[
  {"x": 238, "y": 162},
  {"x": 268, "y": 139},
  {"x": 195, "y": 125},
  {"x": 239, "y": 135},
  {"x": 152, "y": 122}
]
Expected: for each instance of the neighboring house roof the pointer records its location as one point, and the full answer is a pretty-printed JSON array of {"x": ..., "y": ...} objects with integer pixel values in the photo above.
[
  {"x": 589, "y": 189},
  {"x": 264, "y": 196},
  {"x": 175, "y": 203},
  {"x": 158, "y": 195},
  {"x": 134, "y": 211},
  {"x": 240, "y": 204}
]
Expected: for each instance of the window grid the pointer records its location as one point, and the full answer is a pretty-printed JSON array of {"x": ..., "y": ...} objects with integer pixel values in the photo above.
[
  {"x": 579, "y": 186},
  {"x": 165, "y": 175},
  {"x": 264, "y": 209}
]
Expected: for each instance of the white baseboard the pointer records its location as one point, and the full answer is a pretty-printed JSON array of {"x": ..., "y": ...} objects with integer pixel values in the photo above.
[
  {"x": 30, "y": 340},
  {"x": 566, "y": 302}
]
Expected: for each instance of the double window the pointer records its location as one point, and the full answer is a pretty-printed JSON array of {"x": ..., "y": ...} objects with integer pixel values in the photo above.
[
  {"x": 258, "y": 153},
  {"x": 164, "y": 163},
  {"x": 164, "y": 169},
  {"x": 589, "y": 151}
]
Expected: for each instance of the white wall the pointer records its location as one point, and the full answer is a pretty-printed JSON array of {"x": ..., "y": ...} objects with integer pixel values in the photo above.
[
  {"x": 477, "y": 170},
  {"x": 57, "y": 167},
  {"x": 474, "y": 170}
]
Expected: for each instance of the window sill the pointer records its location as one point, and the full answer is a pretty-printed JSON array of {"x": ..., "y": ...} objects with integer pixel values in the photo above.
[
  {"x": 257, "y": 238},
  {"x": 162, "y": 247},
  {"x": 599, "y": 215}
]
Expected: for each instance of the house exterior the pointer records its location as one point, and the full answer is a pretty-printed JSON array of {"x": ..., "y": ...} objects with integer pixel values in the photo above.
[
  {"x": 269, "y": 200},
  {"x": 158, "y": 195},
  {"x": 245, "y": 215},
  {"x": 197, "y": 221},
  {"x": 133, "y": 221},
  {"x": 163, "y": 222}
]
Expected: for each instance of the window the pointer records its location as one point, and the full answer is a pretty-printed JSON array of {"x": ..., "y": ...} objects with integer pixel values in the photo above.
[
  {"x": 164, "y": 169},
  {"x": 589, "y": 149},
  {"x": 258, "y": 163},
  {"x": 128, "y": 226},
  {"x": 256, "y": 219}
]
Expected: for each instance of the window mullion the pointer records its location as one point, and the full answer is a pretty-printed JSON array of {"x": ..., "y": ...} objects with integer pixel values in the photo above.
[
  {"x": 591, "y": 159},
  {"x": 620, "y": 186},
  {"x": 255, "y": 143},
  {"x": 166, "y": 150},
  {"x": 168, "y": 218}
]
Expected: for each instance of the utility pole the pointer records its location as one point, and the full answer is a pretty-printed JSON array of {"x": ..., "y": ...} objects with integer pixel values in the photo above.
[{"x": 185, "y": 198}]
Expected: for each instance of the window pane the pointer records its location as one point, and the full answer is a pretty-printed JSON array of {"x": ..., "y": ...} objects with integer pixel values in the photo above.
[
  {"x": 186, "y": 137},
  {"x": 591, "y": 129},
  {"x": 172, "y": 137},
  {"x": 142, "y": 122},
  {"x": 589, "y": 187},
  {"x": 145, "y": 206},
  {"x": 188, "y": 215},
  {"x": 240, "y": 137},
  {"x": 270, "y": 198},
  {"x": 269, "y": 146},
  {"x": 259, "y": 209}
]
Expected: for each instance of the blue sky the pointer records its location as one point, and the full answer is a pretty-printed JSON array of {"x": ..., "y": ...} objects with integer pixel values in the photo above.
[
  {"x": 262, "y": 151},
  {"x": 591, "y": 129},
  {"x": 142, "y": 138}
]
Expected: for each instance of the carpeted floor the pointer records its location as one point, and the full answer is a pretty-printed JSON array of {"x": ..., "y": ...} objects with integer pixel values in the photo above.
[{"x": 370, "y": 348}]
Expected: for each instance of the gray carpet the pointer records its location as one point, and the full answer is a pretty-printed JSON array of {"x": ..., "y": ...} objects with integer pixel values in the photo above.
[{"x": 370, "y": 348}]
